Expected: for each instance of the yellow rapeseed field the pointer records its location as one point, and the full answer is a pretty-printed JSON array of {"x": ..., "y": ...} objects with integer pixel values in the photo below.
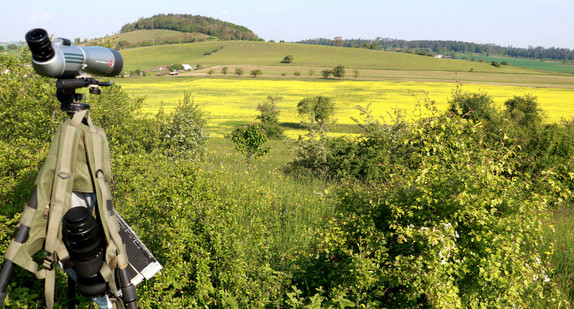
[{"x": 234, "y": 101}]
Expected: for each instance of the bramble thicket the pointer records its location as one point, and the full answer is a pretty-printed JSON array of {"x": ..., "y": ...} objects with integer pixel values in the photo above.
[{"x": 468, "y": 207}]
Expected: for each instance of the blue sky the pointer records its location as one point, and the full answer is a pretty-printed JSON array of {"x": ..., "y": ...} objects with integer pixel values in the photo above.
[{"x": 521, "y": 23}]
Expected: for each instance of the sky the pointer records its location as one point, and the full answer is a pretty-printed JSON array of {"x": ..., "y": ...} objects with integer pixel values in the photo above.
[{"x": 519, "y": 23}]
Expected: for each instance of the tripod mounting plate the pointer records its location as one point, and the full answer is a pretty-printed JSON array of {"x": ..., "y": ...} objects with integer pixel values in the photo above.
[{"x": 71, "y": 102}]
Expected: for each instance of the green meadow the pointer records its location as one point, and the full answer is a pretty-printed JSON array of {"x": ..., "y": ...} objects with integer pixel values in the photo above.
[{"x": 264, "y": 54}]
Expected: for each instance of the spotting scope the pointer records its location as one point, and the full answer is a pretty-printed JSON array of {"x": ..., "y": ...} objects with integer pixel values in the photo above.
[{"x": 62, "y": 59}]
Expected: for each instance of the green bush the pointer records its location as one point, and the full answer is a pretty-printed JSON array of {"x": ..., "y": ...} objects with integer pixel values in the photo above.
[
  {"x": 249, "y": 141},
  {"x": 475, "y": 107},
  {"x": 452, "y": 231},
  {"x": 269, "y": 117},
  {"x": 183, "y": 133},
  {"x": 369, "y": 158}
]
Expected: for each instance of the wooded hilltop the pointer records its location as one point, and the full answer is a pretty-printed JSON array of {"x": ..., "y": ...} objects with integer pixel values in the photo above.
[{"x": 193, "y": 23}]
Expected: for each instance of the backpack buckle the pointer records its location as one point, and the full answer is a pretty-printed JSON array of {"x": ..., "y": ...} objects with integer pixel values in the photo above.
[{"x": 48, "y": 263}]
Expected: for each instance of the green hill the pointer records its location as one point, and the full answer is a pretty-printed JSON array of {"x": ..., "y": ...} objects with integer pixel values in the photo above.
[
  {"x": 142, "y": 38},
  {"x": 257, "y": 53}
]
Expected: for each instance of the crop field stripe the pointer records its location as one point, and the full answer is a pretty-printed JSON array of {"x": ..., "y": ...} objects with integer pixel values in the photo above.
[{"x": 236, "y": 100}]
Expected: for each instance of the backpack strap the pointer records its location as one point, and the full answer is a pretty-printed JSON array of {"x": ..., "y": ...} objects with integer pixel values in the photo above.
[
  {"x": 100, "y": 164},
  {"x": 60, "y": 201}
]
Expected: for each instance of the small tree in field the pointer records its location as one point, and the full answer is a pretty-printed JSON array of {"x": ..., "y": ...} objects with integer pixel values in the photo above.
[
  {"x": 224, "y": 70},
  {"x": 326, "y": 73},
  {"x": 249, "y": 142},
  {"x": 319, "y": 109},
  {"x": 238, "y": 71},
  {"x": 288, "y": 59},
  {"x": 269, "y": 117},
  {"x": 339, "y": 71},
  {"x": 254, "y": 73}
]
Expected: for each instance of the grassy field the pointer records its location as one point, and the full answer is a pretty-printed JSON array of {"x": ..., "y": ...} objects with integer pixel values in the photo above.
[
  {"x": 546, "y": 66},
  {"x": 154, "y": 36},
  {"x": 232, "y": 101},
  {"x": 270, "y": 54}
]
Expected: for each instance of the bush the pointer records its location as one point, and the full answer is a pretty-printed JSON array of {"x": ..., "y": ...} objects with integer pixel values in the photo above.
[
  {"x": 288, "y": 59},
  {"x": 183, "y": 133},
  {"x": 269, "y": 117},
  {"x": 249, "y": 142},
  {"x": 475, "y": 107},
  {"x": 369, "y": 158},
  {"x": 450, "y": 230}
]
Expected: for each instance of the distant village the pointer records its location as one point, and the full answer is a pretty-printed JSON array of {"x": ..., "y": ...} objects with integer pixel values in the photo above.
[{"x": 173, "y": 69}]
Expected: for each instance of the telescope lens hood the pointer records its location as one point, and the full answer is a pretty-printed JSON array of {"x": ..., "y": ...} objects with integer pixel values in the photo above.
[{"x": 119, "y": 63}]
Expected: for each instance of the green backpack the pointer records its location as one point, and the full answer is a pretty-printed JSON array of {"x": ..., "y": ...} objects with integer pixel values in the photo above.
[{"x": 78, "y": 160}]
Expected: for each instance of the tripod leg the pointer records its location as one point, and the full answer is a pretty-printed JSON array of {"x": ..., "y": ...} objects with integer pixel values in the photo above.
[
  {"x": 21, "y": 237},
  {"x": 8, "y": 269},
  {"x": 128, "y": 289},
  {"x": 5, "y": 276}
]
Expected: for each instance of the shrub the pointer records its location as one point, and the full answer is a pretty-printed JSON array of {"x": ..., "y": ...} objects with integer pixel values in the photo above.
[
  {"x": 249, "y": 142},
  {"x": 475, "y": 107},
  {"x": 287, "y": 59},
  {"x": 450, "y": 230},
  {"x": 269, "y": 117},
  {"x": 184, "y": 132}
]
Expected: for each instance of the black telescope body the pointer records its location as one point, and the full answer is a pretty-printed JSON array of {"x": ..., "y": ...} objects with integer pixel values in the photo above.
[{"x": 62, "y": 59}]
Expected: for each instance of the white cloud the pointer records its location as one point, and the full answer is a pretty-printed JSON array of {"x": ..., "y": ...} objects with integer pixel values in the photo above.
[{"x": 41, "y": 16}]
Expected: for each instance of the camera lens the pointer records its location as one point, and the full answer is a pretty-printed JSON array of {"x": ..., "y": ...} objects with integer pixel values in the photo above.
[
  {"x": 40, "y": 44},
  {"x": 84, "y": 240}
]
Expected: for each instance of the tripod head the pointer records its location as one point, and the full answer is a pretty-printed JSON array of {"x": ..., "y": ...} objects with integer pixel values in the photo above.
[{"x": 71, "y": 102}]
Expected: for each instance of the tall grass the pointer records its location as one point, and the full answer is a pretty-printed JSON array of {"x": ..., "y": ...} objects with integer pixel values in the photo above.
[
  {"x": 562, "y": 258},
  {"x": 272, "y": 210}
]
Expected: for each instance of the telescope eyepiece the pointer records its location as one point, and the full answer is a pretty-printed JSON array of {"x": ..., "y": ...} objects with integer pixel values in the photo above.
[{"x": 40, "y": 44}]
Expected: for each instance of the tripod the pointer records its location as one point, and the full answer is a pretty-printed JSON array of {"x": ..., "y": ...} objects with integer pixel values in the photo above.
[{"x": 85, "y": 241}]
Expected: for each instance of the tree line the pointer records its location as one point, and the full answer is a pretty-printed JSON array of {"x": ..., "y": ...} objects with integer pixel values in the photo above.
[
  {"x": 448, "y": 47},
  {"x": 192, "y": 23}
]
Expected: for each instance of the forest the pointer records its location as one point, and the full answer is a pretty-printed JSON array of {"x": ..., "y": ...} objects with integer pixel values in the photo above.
[
  {"x": 455, "y": 208},
  {"x": 449, "y": 47}
]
